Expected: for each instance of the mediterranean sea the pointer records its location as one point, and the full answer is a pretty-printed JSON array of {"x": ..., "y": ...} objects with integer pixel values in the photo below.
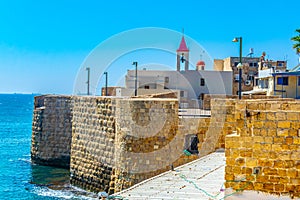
[{"x": 19, "y": 178}]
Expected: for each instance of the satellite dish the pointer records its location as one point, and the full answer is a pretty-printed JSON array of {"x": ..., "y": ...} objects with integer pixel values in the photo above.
[{"x": 251, "y": 52}]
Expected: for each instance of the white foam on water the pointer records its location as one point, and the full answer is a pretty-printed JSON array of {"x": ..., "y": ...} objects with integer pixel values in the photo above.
[
  {"x": 27, "y": 160},
  {"x": 71, "y": 193}
]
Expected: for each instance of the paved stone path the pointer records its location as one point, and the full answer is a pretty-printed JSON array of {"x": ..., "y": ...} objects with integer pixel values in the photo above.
[{"x": 201, "y": 179}]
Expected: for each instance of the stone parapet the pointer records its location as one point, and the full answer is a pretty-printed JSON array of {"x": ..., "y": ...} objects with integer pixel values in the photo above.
[{"x": 208, "y": 97}]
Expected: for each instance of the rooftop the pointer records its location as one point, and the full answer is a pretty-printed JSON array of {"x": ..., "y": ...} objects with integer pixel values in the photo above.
[{"x": 182, "y": 46}]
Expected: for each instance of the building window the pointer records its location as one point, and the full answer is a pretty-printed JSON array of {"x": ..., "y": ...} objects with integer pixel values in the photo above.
[
  {"x": 201, "y": 96},
  {"x": 147, "y": 87},
  {"x": 236, "y": 77},
  {"x": 253, "y": 64},
  {"x": 166, "y": 79},
  {"x": 191, "y": 143},
  {"x": 263, "y": 83},
  {"x": 250, "y": 77},
  {"x": 280, "y": 63},
  {"x": 181, "y": 93},
  {"x": 202, "y": 82},
  {"x": 256, "y": 82},
  {"x": 282, "y": 80},
  {"x": 248, "y": 82},
  {"x": 298, "y": 80}
]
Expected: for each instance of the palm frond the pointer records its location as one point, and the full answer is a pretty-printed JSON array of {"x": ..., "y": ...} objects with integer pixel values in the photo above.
[
  {"x": 296, "y": 38},
  {"x": 297, "y": 45}
]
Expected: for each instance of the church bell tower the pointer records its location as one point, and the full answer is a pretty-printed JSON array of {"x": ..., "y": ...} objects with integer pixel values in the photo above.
[{"x": 183, "y": 55}]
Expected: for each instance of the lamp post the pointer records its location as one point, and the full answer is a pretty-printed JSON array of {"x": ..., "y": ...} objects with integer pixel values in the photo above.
[
  {"x": 106, "y": 78},
  {"x": 240, "y": 65},
  {"x": 135, "y": 85},
  {"x": 88, "y": 80}
]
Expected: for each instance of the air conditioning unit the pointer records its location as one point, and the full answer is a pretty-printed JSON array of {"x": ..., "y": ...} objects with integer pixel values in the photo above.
[
  {"x": 278, "y": 71},
  {"x": 248, "y": 82},
  {"x": 236, "y": 77}
]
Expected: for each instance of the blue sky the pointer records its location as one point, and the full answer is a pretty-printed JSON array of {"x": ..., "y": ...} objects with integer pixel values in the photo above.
[{"x": 44, "y": 43}]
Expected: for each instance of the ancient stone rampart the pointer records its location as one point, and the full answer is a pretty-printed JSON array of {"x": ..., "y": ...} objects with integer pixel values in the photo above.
[
  {"x": 264, "y": 152},
  {"x": 114, "y": 143},
  {"x": 51, "y": 130},
  {"x": 93, "y": 142}
]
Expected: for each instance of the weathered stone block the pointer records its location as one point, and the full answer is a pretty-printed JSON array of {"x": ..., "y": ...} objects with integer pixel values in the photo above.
[
  {"x": 251, "y": 162},
  {"x": 282, "y": 132},
  {"x": 283, "y": 124},
  {"x": 268, "y": 187},
  {"x": 280, "y": 116},
  {"x": 270, "y": 171},
  {"x": 292, "y": 173},
  {"x": 289, "y": 140},
  {"x": 265, "y": 163},
  {"x": 279, "y": 187},
  {"x": 239, "y": 161},
  {"x": 271, "y": 116}
]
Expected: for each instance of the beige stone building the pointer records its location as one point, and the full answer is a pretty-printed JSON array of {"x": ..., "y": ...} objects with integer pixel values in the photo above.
[
  {"x": 249, "y": 71},
  {"x": 267, "y": 77}
]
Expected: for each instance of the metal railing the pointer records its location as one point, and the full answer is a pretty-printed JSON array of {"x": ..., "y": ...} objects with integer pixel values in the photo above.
[{"x": 193, "y": 113}]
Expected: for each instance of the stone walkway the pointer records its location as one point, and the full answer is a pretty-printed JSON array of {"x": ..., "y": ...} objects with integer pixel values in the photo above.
[{"x": 201, "y": 179}]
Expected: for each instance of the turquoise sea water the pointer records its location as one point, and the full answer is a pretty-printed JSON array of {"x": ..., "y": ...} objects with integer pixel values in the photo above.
[{"x": 19, "y": 178}]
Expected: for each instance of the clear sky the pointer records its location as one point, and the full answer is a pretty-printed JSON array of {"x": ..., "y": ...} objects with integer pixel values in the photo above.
[{"x": 43, "y": 43}]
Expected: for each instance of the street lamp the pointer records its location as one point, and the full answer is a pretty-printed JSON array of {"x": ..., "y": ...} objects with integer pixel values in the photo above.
[
  {"x": 135, "y": 91},
  {"x": 88, "y": 80},
  {"x": 240, "y": 65},
  {"x": 106, "y": 92}
]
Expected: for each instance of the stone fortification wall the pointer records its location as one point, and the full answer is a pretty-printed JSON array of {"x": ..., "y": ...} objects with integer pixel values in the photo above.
[
  {"x": 212, "y": 131},
  {"x": 208, "y": 97},
  {"x": 93, "y": 143},
  {"x": 146, "y": 141},
  {"x": 118, "y": 142},
  {"x": 192, "y": 126},
  {"x": 151, "y": 138},
  {"x": 51, "y": 131},
  {"x": 264, "y": 154}
]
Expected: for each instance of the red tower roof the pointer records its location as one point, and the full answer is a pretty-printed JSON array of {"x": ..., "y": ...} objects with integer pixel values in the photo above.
[
  {"x": 200, "y": 63},
  {"x": 182, "y": 46}
]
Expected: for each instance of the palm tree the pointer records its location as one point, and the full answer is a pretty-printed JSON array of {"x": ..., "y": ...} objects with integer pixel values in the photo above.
[{"x": 297, "y": 40}]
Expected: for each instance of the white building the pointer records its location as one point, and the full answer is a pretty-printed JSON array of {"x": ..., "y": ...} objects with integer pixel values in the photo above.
[
  {"x": 278, "y": 81},
  {"x": 189, "y": 84}
]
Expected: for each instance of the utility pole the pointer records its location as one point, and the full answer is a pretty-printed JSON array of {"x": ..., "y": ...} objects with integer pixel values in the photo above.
[
  {"x": 240, "y": 65},
  {"x": 88, "y": 80},
  {"x": 135, "y": 91},
  {"x": 106, "y": 78}
]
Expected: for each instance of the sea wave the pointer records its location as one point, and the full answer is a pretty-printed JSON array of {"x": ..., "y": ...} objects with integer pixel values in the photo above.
[
  {"x": 27, "y": 160},
  {"x": 69, "y": 192}
]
